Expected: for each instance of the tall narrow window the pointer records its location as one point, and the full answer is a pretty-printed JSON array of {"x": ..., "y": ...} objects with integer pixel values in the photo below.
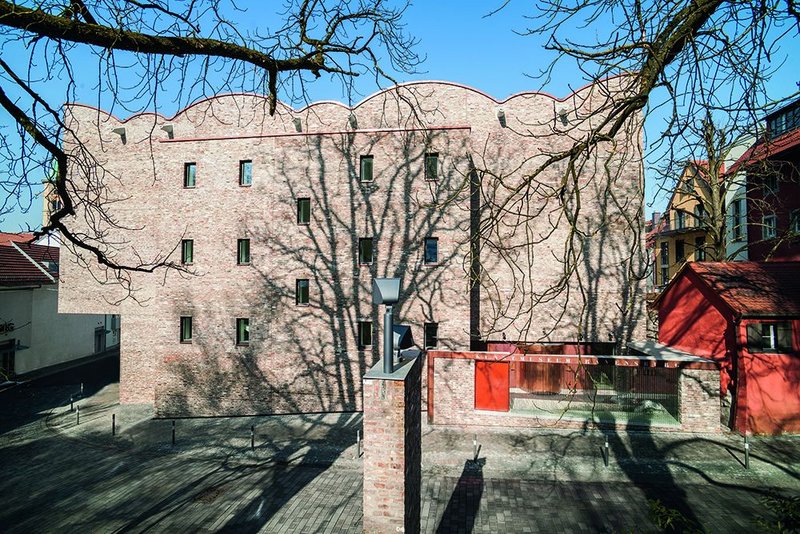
[
  {"x": 365, "y": 171},
  {"x": 431, "y": 335},
  {"x": 700, "y": 248},
  {"x": 245, "y": 172},
  {"x": 189, "y": 174},
  {"x": 242, "y": 331},
  {"x": 794, "y": 223},
  {"x": 432, "y": 166},
  {"x": 243, "y": 252},
  {"x": 770, "y": 226},
  {"x": 431, "y": 251},
  {"x": 303, "y": 210},
  {"x": 699, "y": 215},
  {"x": 364, "y": 334},
  {"x": 301, "y": 292},
  {"x": 771, "y": 183},
  {"x": 680, "y": 219},
  {"x": 366, "y": 252},
  {"x": 737, "y": 219},
  {"x": 186, "y": 329},
  {"x": 187, "y": 251},
  {"x": 664, "y": 263},
  {"x": 680, "y": 250}
]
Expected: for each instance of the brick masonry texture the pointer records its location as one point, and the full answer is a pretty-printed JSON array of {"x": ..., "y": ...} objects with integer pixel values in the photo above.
[
  {"x": 454, "y": 401},
  {"x": 306, "y": 358},
  {"x": 393, "y": 453}
]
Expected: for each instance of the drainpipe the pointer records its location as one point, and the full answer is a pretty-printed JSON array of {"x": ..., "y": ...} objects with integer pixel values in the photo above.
[{"x": 388, "y": 341}]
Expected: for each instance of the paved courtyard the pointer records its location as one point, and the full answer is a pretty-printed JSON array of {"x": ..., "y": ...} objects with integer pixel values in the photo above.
[{"x": 304, "y": 474}]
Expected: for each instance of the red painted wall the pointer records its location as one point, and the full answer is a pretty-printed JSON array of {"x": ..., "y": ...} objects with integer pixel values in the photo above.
[{"x": 769, "y": 394}]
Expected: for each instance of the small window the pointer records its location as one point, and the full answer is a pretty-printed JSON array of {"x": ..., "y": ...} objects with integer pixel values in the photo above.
[
  {"x": 432, "y": 166},
  {"x": 664, "y": 263},
  {"x": 189, "y": 174},
  {"x": 243, "y": 252},
  {"x": 242, "y": 331},
  {"x": 365, "y": 171},
  {"x": 770, "y": 183},
  {"x": 301, "y": 292},
  {"x": 794, "y": 223},
  {"x": 431, "y": 335},
  {"x": 700, "y": 248},
  {"x": 770, "y": 226},
  {"x": 738, "y": 220},
  {"x": 680, "y": 219},
  {"x": 364, "y": 334},
  {"x": 699, "y": 215},
  {"x": 680, "y": 250},
  {"x": 303, "y": 210},
  {"x": 245, "y": 173},
  {"x": 187, "y": 251},
  {"x": 366, "y": 252},
  {"x": 769, "y": 337},
  {"x": 431, "y": 251},
  {"x": 186, "y": 329}
]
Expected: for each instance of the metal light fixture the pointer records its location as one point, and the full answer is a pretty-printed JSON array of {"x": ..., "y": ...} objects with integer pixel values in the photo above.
[
  {"x": 298, "y": 124},
  {"x": 353, "y": 123},
  {"x": 170, "y": 131},
  {"x": 121, "y": 133},
  {"x": 386, "y": 291},
  {"x": 501, "y": 116}
]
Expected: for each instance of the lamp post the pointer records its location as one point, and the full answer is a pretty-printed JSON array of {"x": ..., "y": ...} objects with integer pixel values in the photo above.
[{"x": 386, "y": 291}]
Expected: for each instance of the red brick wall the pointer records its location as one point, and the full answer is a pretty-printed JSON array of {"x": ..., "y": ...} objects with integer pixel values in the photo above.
[
  {"x": 306, "y": 358},
  {"x": 392, "y": 453}
]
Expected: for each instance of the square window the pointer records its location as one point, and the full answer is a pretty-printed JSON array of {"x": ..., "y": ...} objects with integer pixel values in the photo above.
[
  {"x": 769, "y": 337},
  {"x": 186, "y": 329},
  {"x": 366, "y": 252},
  {"x": 431, "y": 335},
  {"x": 301, "y": 292},
  {"x": 187, "y": 251},
  {"x": 243, "y": 252},
  {"x": 303, "y": 210},
  {"x": 431, "y": 251},
  {"x": 365, "y": 171},
  {"x": 432, "y": 166},
  {"x": 242, "y": 331},
  {"x": 364, "y": 334},
  {"x": 770, "y": 226},
  {"x": 189, "y": 175},
  {"x": 245, "y": 173}
]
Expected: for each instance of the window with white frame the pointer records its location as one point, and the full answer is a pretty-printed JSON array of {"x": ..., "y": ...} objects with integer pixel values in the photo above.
[
  {"x": 189, "y": 175},
  {"x": 664, "y": 262},
  {"x": 769, "y": 226},
  {"x": 245, "y": 173},
  {"x": 243, "y": 252},
  {"x": 187, "y": 251},
  {"x": 680, "y": 219},
  {"x": 366, "y": 169},
  {"x": 769, "y": 336},
  {"x": 738, "y": 222}
]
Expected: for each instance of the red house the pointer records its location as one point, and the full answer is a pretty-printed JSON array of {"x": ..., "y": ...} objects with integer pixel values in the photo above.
[{"x": 746, "y": 316}]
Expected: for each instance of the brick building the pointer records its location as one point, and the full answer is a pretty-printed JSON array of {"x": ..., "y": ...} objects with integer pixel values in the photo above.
[{"x": 283, "y": 221}]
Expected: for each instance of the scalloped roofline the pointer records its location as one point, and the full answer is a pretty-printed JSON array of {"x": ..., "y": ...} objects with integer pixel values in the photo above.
[{"x": 345, "y": 106}]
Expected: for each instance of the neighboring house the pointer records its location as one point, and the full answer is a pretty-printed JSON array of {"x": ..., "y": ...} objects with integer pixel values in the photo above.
[
  {"x": 33, "y": 336},
  {"x": 283, "y": 221},
  {"x": 680, "y": 235},
  {"x": 746, "y": 316},
  {"x": 773, "y": 188}
]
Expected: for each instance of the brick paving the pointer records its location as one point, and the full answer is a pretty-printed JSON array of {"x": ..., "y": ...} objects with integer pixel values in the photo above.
[{"x": 61, "y": 478}]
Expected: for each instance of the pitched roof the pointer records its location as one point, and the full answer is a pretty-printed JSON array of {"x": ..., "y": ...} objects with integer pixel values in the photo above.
[
  {"x": 18, "y": 264},
  {"x": 763, "y": 149},
  {"x": 753, "y": 288},
  {"x": 6, "y": 238}
]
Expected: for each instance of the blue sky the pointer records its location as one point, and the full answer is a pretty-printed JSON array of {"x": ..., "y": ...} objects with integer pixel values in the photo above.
[{"x": 461, "y": 45}]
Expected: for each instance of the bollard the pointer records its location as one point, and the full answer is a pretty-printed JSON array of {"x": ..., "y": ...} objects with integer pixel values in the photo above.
[
  {"x": 81, "y": 389},
  {"x": 173, "y": 433},
  {"x": 358, "y": 443},
  {"x": 113, "y": 424},
  {"x": 746, "y": 451},
  {"x": 78, "y": 415},
  {"x": 252, "y": 437},
  {"x": 71, "y": 408},
  {"x": 475, "y": 447},
  {"x": 605, "y": 452}
]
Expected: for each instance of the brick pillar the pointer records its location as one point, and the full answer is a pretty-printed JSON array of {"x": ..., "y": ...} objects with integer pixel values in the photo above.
[
  {"x": 699, "y": 400},
  {"x": 392, "y": 448}
]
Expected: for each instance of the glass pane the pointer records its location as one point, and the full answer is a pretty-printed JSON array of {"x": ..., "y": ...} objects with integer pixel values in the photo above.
[
  {"x": 187, "y": 251},
  {"x": 189, "y": 175},
  {"x": 303, "y": 210},
  {"x": 431, "y": 166},
  {"x": 244, "y": 251},
  {"x": 366, "y": 169},
  {"x": 186, "y": 328},
  {"x": 245, "y": 172},
  {"x": 302, "y": 292},
  {"x": 242, "y": 330},
  {"x": 431, "y": 251},
  {"x": 365, "y": 251}
]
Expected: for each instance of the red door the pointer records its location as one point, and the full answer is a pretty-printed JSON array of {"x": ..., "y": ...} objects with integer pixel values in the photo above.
[{"x": 491, "y": 386}]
